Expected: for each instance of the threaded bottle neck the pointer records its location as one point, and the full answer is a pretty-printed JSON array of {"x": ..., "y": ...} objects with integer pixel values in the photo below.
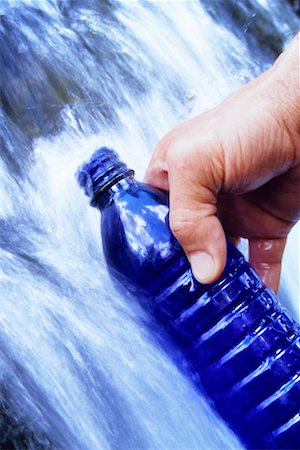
[{"x": 100, "y": 173}]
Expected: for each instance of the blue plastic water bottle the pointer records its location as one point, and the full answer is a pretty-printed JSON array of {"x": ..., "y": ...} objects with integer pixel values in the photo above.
[{"x": 234, "y": 333}]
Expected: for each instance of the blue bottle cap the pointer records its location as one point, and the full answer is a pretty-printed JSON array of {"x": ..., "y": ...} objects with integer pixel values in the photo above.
[{"x": 101, "y": 172}]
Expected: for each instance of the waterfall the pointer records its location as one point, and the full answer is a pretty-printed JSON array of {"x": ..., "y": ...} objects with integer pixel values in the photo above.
[{"x": 82, "y": 367}]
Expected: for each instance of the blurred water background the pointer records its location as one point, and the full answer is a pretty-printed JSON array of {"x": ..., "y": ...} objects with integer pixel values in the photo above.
[{"x": 82, "y": 367}]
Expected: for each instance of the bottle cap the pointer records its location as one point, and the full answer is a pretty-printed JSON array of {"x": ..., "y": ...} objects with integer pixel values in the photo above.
[{"x": 101, "y": 172}]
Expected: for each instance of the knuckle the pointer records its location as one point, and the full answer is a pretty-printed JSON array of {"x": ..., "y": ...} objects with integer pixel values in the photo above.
[
  {"x": 165, "y": 143},
  {"x": 183, "y": 159},
  {"x": 182, "y": 224},
  {"x": 189, "y": 159}
]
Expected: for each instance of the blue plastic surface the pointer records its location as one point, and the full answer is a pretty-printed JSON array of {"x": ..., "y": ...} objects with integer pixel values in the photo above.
[{"x": 234, "y": 333}]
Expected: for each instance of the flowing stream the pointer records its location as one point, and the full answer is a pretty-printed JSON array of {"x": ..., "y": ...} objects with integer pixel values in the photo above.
[{"x": 82, "y": 366}]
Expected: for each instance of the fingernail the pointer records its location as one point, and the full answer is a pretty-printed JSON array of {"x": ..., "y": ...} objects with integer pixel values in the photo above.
[{"x": 203, "y": 266}]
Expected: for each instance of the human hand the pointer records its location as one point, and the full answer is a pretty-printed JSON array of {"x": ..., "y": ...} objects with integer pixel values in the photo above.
[{"x": 236, "y": 169}]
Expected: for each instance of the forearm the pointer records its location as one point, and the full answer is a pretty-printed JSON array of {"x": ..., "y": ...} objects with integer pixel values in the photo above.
[
  {"x": 285, "y": 101},
  {"x": 266, "y": 113}
]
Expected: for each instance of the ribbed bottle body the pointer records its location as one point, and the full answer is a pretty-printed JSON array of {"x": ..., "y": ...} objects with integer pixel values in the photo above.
[
  {"x": 246, "y": 348},
  {"x": 234, "y": 333}
]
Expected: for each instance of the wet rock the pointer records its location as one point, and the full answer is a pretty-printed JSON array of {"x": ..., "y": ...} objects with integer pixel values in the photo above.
[
  {"x": 17, "y": 433},
  {"x": 15, "y": 147},
  {"x": 28, "y": 92},
  {"x": 251, "y": 22},
  {"x": 53, "y": 60},
  {"x": 295, "y": 5}
]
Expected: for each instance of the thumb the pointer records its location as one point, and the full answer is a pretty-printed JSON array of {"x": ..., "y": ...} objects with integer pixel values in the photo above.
[{"x": 194, "y": 223}]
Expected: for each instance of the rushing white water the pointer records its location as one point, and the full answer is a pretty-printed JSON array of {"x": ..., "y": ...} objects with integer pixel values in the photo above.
[{"x": 81, "y": 365}]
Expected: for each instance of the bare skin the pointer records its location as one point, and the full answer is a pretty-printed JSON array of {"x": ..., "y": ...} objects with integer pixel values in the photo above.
[{"x": 235, "y": 171}]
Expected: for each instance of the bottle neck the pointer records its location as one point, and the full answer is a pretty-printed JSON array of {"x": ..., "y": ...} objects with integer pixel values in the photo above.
[
  {"x": 115, "y": 190},
  {"x": 103, "y": 176}
]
